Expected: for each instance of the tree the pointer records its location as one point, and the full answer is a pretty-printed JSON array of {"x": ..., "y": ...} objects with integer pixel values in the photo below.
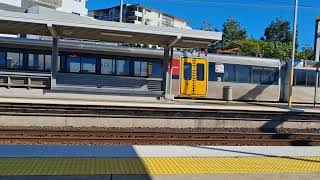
[
  {"x": 206, "y": 26},
  {"x": 307, "y": 53},
  {"x": 278, "y": 31},
  {"x": 232, "y": 30}
]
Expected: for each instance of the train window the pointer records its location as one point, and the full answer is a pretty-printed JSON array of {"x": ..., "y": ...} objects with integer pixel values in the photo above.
[
  {"x": 268, "y": 76},
  {"x": 229, "y": 73},
  {"x": 187, "y": 71},
  {"x": 311, "y": 77},
  {"x": 243, "y": 74},
  {"x": 36, "y": 62},
  {"x": 3, "y": 59},
  {"x": 256, "y": 74},
  {"x": 48, "y": 62},
  {"x": 200, "y": 72},
  {"x": 156, "y": 70},
  {"x": 73, "y": 63},
  {"x": 300, "y": 77},
  {"x": 108, "y": 66},
  {"x": 140, "y": 69},
  {"x": 212, "y": 73},
  {"x": 123, "y": 67},
  {"x": 88, "y": 65},
  {"x": 14, "y": 60}
]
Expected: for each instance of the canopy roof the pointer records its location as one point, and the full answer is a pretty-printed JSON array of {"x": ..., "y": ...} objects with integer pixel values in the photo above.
[{"x": 77, "y": 27}]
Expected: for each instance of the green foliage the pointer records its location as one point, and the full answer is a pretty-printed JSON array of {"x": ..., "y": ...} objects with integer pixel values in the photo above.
[
  {"x": 258, "y": 48},
  {"x": 206, "y": 26},
  {"x": 307, "y": 53},
  {"x": 232, "y": 30},
  {"x": 278, "y": 30}
]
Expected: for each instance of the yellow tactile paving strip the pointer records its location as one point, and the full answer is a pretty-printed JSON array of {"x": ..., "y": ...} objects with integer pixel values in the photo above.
[{"x": 156, "y": 166}]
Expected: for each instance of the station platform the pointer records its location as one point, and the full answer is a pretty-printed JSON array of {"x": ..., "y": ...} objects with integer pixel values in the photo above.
[
  {"x": 160, "y": 162},
  {"x": 179, "y": 103}
]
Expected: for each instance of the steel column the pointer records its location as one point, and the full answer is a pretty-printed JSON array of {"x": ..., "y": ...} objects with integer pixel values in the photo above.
[
  {"x": 166, "y": 57},
  {"x": 54, "y": 62},
  {"x": 317, "y": 41},
  {"x": 293, "y": 50}
]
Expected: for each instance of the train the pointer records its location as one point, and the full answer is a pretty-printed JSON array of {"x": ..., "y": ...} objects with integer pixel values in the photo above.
[{"x": 94, "y": 68}]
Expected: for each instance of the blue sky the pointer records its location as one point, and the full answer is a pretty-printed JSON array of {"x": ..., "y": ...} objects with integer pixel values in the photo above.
[{"x": 254, "y": 15}]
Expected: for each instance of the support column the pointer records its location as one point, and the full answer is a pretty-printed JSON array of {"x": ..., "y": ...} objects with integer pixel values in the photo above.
[
  {"x": 54, "y": 62},
  {"x": 165, "y": 70}
]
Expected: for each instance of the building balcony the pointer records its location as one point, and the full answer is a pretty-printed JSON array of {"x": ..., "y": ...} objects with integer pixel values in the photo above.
[{"x": 50, "y": 2}]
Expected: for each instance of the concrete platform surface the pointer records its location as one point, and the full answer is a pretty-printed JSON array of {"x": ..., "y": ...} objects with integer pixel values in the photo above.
[
  {"x": 159, "y": 162},
  {"x": 42, "y": 151},
  {"x": 182, "y": 104}
]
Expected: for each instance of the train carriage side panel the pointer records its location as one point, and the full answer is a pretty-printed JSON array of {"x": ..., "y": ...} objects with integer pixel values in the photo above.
[{"x": 252, "y": 79}]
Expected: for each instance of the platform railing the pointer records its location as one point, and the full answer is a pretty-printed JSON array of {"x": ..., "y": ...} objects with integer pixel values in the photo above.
[{"x": 25, "y": 80}]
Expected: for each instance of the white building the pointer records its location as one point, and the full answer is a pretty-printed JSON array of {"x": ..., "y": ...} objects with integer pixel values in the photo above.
[
  {"x": 69, "y": 6},
  {"x": 139, "y": 14}
]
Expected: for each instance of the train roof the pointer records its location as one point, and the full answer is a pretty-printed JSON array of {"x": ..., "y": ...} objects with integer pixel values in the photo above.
[
  {"x": 244, "y": 60},
  {"x": 103, "y": 48}
]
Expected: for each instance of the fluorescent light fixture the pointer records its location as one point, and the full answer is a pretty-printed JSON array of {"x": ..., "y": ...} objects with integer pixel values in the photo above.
[
  {"x": 194, "y": 41},
  {"x": 115, "y": 34}
]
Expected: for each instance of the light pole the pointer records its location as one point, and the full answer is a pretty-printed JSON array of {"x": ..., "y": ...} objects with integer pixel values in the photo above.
[
  {"x": 121, "y": 11},
  {"x": 293, "y": 51}
]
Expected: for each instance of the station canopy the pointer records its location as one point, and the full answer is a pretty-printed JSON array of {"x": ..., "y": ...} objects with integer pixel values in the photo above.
[{"x": 87, "y": 28}]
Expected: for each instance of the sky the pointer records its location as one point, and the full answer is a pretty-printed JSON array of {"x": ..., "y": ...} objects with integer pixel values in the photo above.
[{"x": 254, "y": 15}]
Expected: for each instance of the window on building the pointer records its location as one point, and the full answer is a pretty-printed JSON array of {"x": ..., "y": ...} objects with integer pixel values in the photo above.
[
  {"x": 243, "y": 74},
  {"x": 88, "y": 65},
  {"x": 36, "y": 62},
  {"x": 140, "y": 69},
  {"x": 3, "y": 58},
  {"x": 123, "y": 67},
  {"x": 14, "y": 60},
  {"x": 108, "y": 66},
  {"x": 76, "y": 13},
  {"x": 73, "y": 63},
  {"x": 187, "y": 71},
  {"x": 200, "y": 72}
]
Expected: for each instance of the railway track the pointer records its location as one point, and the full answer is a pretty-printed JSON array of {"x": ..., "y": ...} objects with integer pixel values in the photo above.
[
  {"x": 155, "y": 138},
  {"x": 93, "y": 111}
]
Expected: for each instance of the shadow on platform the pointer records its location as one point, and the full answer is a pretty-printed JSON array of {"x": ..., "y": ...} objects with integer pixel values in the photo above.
[
  {"x": 259, "y": 154},
  {"x": 18, "y": 162}
]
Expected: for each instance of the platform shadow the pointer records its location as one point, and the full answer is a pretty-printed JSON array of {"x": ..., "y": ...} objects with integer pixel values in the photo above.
[
  {"x": 24, "y": 162},
  {"x": 258, "y": 154}
]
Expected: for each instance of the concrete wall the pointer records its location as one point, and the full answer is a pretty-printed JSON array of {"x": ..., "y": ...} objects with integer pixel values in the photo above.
[
  {"x": 72, "y": 6},
  {"x": 12, "y": 2}
]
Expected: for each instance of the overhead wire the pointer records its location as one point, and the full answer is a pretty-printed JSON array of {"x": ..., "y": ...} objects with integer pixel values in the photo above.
[{"x": 266, "y": 4}]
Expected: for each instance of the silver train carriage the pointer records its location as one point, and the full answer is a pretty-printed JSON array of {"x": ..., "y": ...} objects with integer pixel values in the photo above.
[{"x": 91, "y": 67}]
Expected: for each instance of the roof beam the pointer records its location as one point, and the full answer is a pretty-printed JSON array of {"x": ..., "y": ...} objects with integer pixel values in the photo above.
[
  {"x": 52, "y": 31},
  {"x": 172, "y": 43}
]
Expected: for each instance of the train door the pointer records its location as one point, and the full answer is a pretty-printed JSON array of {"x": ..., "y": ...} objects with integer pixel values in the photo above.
[{"x": 194, "y": 77}]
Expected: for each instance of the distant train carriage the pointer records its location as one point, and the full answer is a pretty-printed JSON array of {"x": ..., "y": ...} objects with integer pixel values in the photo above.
[
  {"x": 251, "y": 79},
  {"x": 304, "y": 81}
]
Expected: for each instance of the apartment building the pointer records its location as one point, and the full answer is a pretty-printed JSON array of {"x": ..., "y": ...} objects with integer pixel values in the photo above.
[
  {"x": 70, "y": 6},
  {"x": 139, "y": 14}
]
